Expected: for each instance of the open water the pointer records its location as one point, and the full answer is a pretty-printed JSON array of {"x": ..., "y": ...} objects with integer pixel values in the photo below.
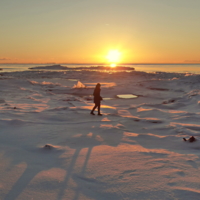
[{"x": 178, "y": 68}]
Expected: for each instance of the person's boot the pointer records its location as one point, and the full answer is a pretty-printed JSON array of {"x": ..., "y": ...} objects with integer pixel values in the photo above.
[
  {"x": 99, "y": 114},
  {"x": 92, "y": 113}
]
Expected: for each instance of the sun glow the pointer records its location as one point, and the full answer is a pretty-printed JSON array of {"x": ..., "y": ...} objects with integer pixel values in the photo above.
[
  {"x": 113, "y": 56},
  {"x": 113, "y": 65}
]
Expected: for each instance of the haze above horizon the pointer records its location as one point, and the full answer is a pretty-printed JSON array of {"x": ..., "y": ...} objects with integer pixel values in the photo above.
[{"x": 64, "y": 31}]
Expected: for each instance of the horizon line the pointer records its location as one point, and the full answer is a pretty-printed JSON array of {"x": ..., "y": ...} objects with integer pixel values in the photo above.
[{"x": 63, "y": 63}]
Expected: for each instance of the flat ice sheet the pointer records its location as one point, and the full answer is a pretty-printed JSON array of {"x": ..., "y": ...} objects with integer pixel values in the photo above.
[{"x": 134, "y": 151}]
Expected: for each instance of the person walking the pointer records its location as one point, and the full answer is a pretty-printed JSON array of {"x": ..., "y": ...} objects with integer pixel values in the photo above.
[{"x": 97, "y": 99}]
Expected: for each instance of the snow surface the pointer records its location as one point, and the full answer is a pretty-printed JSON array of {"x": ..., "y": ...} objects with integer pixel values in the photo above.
[{"x": 52, "y": 148}]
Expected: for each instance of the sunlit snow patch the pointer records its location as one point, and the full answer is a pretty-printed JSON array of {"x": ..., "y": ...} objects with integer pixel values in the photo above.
[
  {"x": 70, "y": 79},
  {"x": 79, "y": 85},
  {"x": 107, "y": 98},
  {"x": 126, "y": 96}
]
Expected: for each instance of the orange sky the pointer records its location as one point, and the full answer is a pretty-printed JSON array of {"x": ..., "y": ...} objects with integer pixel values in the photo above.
[{"x": 85, "y": 31}]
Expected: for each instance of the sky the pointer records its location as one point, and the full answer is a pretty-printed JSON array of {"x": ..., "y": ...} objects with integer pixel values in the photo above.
[{"x": 87, "y": 31}]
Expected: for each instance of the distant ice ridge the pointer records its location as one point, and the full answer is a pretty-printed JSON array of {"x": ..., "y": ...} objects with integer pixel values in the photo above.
[
  {"x": 54, "y": 67},
  {"x": 60, "y": 67}
]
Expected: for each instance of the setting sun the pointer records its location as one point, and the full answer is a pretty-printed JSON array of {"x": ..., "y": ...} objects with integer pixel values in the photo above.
[
  {"x": 113, "y": 56},
  {"x": 113, "y": 65}
]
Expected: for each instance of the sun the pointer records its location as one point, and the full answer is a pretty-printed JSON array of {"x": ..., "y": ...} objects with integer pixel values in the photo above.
[
  {"x": 113, "y": 56},
  {"x": 113, "y": 65}
]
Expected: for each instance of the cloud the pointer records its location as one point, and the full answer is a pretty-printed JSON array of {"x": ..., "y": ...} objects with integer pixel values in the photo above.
[{"x": 4, "y": 58}]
